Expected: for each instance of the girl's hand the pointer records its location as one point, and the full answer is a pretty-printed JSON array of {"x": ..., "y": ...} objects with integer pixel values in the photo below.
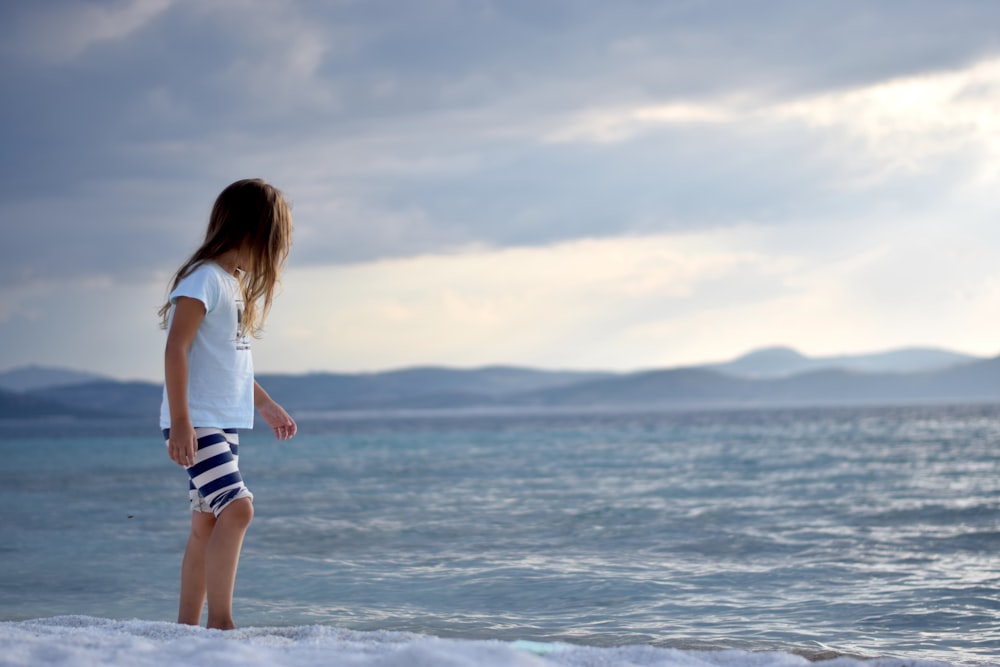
[
  {"x": 281, "y": 423},
  {"x": 182, "y": 445}
]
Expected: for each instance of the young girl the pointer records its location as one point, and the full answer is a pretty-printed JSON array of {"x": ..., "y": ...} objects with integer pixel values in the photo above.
[{"x": 219, "y": 298}]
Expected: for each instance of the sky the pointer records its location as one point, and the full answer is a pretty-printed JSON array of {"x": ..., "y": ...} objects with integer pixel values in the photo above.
[{"x": 563, "y": 184}]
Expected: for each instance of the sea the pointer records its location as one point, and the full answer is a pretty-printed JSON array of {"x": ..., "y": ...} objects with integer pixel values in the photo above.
[{"x": 840, "y": 536}]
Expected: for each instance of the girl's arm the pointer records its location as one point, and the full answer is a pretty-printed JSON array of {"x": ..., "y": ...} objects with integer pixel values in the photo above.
[
  {"x": 188, "y": 314},
  {"x": 283, "y": 425}
]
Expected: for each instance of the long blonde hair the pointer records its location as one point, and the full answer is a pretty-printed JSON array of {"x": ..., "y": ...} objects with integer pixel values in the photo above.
[{"x": 254, "y": 214}]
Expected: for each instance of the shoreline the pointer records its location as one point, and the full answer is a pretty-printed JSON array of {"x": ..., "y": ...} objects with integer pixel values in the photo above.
[{"x": 135, "y": 641}]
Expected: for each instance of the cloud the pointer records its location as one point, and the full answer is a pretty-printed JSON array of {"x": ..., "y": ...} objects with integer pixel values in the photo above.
[
  {"x": 274, "y": 67},
  {"x": 903, "y": 122},
  {"x": 439, "y": 117},
  {"x": 907, "y": 125},
  {"x": 434, "y": 131},
  {"x": 61, "y": 32},
  {"x": 107, "y": 326},
  {"x": 642, "y": 301},
  {"x": 614, "y": 303},
  {"x": 449, "y": 181},
  {"x": 558, "y": 305},
  {"x": 612, "y": 126}
]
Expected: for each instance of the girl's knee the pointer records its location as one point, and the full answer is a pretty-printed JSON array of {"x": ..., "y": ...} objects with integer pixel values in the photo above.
[
  {"x": 240, "y": 511},
  {"x": 201, "y": 525}
]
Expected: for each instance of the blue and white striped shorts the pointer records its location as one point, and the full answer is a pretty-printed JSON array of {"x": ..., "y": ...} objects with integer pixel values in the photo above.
[{"x": 215, "y": 479}]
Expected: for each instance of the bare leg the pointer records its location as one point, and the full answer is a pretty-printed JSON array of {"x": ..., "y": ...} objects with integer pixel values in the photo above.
[
  {"x": 193, "y": 569},
  {"x": 221, "y": 558}
]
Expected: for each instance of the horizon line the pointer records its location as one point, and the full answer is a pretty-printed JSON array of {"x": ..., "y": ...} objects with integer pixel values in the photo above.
[{"x": 510, "y": 365}]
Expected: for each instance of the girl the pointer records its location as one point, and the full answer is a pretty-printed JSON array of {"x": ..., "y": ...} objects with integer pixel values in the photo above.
[{"x": 219, "y": 298}]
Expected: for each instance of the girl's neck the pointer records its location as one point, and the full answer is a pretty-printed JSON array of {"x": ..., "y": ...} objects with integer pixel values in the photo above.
[{"x": 229, "y": 261}]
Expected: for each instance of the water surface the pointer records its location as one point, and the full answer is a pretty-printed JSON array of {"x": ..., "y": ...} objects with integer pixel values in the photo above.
[{"x": 866, "y": 531}]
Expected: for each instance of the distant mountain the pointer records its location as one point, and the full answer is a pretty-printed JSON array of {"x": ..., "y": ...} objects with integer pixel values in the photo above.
[
  {"x": 412, "y": 388},
  {"x": 976, "y": 381},
  {"x": 775, "y": 362},
  {"x": 514, "y": 388},
  {"x": 15, "y": 405},
  {"x": 29, "y": 378},
  {"x": 107, "y": 398},
  {"x": 416, "y": 387}
]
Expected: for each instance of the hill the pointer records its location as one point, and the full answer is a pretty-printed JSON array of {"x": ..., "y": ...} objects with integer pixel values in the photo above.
[
  {"x": 416, "y": 387},
  {"x": 133, "y": 400},
  {"x": 514, "y": 388},
  {"x": 21, "y": 407},
  {"x": 977, "y": 381},
  {"x": 29, "y": 378},
  {"x": 775, "y": 362}
]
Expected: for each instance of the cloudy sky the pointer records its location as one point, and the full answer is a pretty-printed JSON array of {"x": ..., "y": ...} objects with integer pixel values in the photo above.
[{"x": 554, "y": 183}]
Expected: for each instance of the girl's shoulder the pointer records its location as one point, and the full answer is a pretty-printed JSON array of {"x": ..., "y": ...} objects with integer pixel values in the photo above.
[
  {"x": 206, "y": 281},
  {"x": 206, "y": 270}
]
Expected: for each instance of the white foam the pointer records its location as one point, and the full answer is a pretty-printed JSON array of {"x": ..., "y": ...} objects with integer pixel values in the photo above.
[{"x": 81, "y": 641}]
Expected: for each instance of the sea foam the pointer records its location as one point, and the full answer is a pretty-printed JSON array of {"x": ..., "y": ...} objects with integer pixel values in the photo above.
[{"x": 81, "y": 641}]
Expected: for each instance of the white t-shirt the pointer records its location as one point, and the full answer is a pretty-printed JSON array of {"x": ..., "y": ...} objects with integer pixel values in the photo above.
[{"x": 220, "y": 366}]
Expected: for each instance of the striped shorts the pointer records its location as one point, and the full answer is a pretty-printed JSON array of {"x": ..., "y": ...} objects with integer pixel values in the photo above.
[{"x": 215, "y": 479}]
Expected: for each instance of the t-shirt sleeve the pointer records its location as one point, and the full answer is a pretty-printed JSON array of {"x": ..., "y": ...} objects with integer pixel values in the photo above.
[{"x": 200, "y": 284}]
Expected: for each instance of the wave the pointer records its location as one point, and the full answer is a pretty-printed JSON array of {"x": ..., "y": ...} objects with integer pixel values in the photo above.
[{"x": 83, "y": 640}]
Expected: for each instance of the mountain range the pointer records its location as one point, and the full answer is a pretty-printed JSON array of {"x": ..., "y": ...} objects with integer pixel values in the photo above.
[
  {"x": 768, "y": 377},
  {"x": 775, "y": 362}
]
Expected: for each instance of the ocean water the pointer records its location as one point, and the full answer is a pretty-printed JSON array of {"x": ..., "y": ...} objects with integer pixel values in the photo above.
[{"x": 731, "y": 538}]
